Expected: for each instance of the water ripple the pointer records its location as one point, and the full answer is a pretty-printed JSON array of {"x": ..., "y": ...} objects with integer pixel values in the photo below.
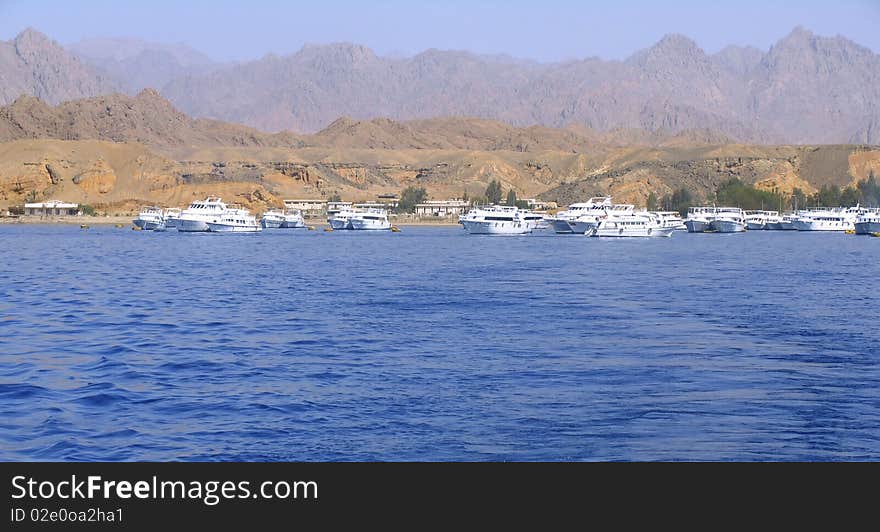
[{"x": 431, "y": 345}]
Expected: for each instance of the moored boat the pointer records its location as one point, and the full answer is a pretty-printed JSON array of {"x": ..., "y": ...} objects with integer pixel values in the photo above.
[
  {"x": 195, "y": 218},
  {"x": 369, "y": 220},
  {"x": 293, "y": 219},
  {"x": 272, "y": 219},
  {"x": 640, "y": 224},
  {"x": 495, "y": 220},
  {"x": 150, "y": 219},
  {"x": 728, "y": 220},
  {"x": 868, "y": 223},
  {"x": 235, "y": 221}
]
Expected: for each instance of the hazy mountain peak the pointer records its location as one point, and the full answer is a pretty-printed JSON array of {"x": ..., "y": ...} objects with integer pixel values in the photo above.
[
  {"x": 672, "y": 48},
  {"x": 103, "y": 49},
  {"x": 32, "y": 37},
  {"x": 344, "y": 52}
]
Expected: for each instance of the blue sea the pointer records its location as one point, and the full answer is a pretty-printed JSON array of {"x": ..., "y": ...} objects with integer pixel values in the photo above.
[{"x": 434, "y": 345}]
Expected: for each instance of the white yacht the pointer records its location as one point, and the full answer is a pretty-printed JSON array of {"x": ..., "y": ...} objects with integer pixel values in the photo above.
[
  {"x": 785, "y": 223},
  {"x": 150, "y": 219},
  {"x": 699, "y": 218},
  {"x": 195, "y": 218},
  {"x": 339, "y": 220},
  {"x": 235, "y": 221},
  {"x": 728, "y": 220},
  {"x": 495, "y": 220},
  {"x": 839, "y": 219},
  {"x": 761, "y": 220},
  {"x": 640, "y": 224},
  {"x": 171, "y": 216},
  {"x": 272, "y": 219},
  {"x": 370, "y": 219},
  {"x": 671, "y": 219},
  {"x": 587, "y": 222},
  {"x": 592, "y": 207},
  {"x": 868, "y": 223},
  {"x": 293, "y": 219},
  {"x": 537, "y": 220}
]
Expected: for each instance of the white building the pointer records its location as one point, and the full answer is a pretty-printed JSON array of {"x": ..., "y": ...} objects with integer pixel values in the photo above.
[
  {"x": 371, "y": 205},
  {"x": 336, "y": 206},
  {"x": 306, "y": 205},
  {"x": 51, "y": 208},
  {"x": 538, "y": 205},
  {"x": 442, "y": 208}
]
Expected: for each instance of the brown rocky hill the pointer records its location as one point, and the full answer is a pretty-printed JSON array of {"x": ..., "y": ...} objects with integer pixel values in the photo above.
[
  {"x": 32, "y": 64},
  {"x": 146, "y": 118},
  {"x": 118, "y": 152}
]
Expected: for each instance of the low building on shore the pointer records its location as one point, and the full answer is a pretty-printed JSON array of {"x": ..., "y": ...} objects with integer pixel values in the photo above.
[
  {"x": 51, "y": 208},
  {"x": 371, "y": 205},
  {"x": 307, "y": 206},
  {"x": 442, "y": 208},
  {"x": 538, "y": 205},
  {"x": 336, "y": 206}
]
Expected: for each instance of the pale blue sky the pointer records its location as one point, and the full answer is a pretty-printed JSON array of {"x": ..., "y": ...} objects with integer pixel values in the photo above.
[{"x": 548, "y": 30}]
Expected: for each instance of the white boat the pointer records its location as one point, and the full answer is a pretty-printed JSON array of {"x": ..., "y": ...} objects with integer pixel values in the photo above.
[
  {"x": 293, "y": 219},
  {"x": 868, "y": 223},
  {"x": 761, "y": 220},
  {"x": 150, "y": 219},
  {"x": 587, "y": 222},
  {"x": 272, "y": 219},
  {"x": 195, "y": 218},
  {"x": 171, "y": 216},
  {"x": 639, "y": 224},
  {"x": 728, "y": 220},
  {"x": 538, "y": 221},
  {"x": 671, "y": 219},
  {"x": 699, "y": 218},
  {"x": 370, "y": 220},
  {"x": 785, "y": 223},
  {"x": 339, "y": 220},
  {"x": 592, "y": 207},
  {"x": 839, "y": 219},
  {"x": 235, "y": 221},
  {"x": 495, "y": 220}
]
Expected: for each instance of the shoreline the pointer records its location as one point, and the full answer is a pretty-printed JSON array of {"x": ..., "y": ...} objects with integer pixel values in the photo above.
[{"x": 128, "y": 221}]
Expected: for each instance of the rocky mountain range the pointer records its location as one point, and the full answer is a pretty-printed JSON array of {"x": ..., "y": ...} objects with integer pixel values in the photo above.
[{"x": 804, "y": 89}]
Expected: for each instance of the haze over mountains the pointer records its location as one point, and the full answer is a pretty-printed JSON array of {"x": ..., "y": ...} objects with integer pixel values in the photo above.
[{"x": 805, "y": 89}]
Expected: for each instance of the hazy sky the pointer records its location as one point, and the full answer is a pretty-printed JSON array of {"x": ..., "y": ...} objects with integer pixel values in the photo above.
[{"x": 548, "y": 30}]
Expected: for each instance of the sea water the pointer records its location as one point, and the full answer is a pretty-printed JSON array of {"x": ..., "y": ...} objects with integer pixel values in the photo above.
[{"x": 431, "y": 344}]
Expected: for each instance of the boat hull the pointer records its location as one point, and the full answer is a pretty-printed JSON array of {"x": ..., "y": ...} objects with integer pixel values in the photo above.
[
  {"x": 650, "y": 232},
  {"x": 867, "y": 228},
  {"x": 496, "y": 228},
  {"x": 338, "y": 224},
  {"x": 581, "y": 227},
  {"x": 292, "y": 224},
  {"x": 561, "y": 227},
  {"x": 365, "y": 225},
  {"x": 727, "y": 226},
  {"x": 225, "y": 228},
  {"x": 819, "y": 225},
  {"x": 696, "y": 226},
  {"x": 192, "y": 226},
  {"x": 757, "y": 226},
  {"x": 270, "y": 224}
]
